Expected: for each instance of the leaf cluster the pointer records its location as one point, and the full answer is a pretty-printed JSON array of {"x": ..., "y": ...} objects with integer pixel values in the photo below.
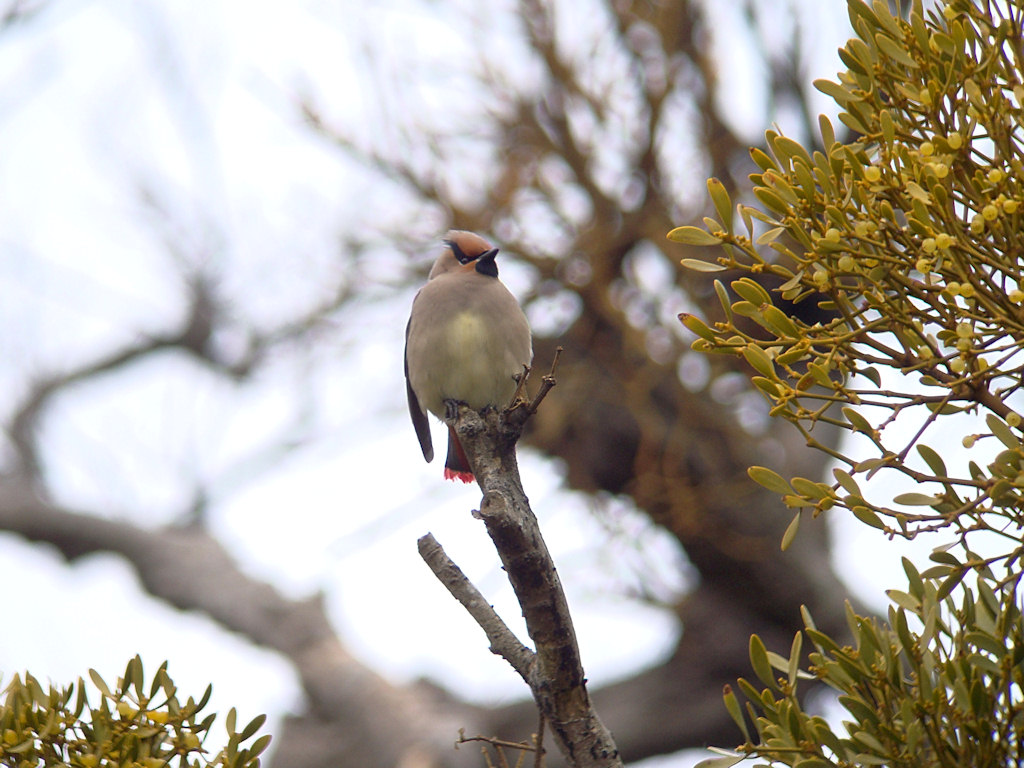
[
  {"x": 132, "y": 725},
  {"x": 909, "y": 238},
  {"x": 936, "y": 684}
]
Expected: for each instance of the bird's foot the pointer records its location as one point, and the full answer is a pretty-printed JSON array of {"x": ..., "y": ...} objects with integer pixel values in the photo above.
[{"x": 451, "y": 408}]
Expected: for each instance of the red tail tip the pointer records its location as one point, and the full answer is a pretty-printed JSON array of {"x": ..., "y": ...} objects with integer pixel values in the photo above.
[{"x": 452, "y": 474}]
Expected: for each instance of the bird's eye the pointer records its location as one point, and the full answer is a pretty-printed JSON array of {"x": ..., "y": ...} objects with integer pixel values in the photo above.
[{"x": 461, "y": 255}]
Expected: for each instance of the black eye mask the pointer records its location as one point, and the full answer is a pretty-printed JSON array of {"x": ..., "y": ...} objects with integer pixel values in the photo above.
[{"x": 460, "y": 254}]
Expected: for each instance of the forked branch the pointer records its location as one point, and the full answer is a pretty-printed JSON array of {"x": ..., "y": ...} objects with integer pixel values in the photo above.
[{"x": 553, "y": 671}]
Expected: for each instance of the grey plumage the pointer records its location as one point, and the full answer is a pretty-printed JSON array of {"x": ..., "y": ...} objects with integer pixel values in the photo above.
[{"x": 467, "y": 340}]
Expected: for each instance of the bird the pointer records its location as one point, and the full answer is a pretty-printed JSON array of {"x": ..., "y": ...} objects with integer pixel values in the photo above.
[{"x": 467, "y": 341}]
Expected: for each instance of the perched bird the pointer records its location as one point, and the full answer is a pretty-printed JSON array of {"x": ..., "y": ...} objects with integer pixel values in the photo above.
[{"x": 467, "y": 341}]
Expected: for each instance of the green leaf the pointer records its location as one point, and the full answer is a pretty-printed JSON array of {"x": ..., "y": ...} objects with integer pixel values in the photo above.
[
  {"x": 759, "y": 360},
  {"x": 770, "y": 235},
  {"x": 987, "y": 642},
  {"x": 693, "y": 236},
  {"x": 759, "y": 660},
  {"x": 763, "y": 160},
  {"x": 732, "y": 705},
  {"x": 773, "y": 481},
  {"x": 839, "y": 94},
  {"x": 894, "y": 51},
  {"x": 917, "y": 500},
  {"x": 868, "y": 517},
  {"x": 765, "y": 385},
  {"x": 790, "y": 534},
  {"x": 872, "y": 375},
  {"x": 259, "y": 745},
  {"x": 98, "y": 682},
  {"x": 698, "y": 265},
  {"x": 794, "y": 658},
  {"x": 751, "y": 291},
  {"x": 951, "y": 582},
  {"x": 780, "y": 323},
  {"x": 904, "y": 600},
  {"x": 254, "y": 725},
  {"x": 771, "y": 200},
  {"x": 695, "y": 324},
  {"x": 940, "y": 555},
  {"x": 932, "y": 459},
  {"x": 885, "y": 18},
  {"x": 828, "y": 133},
  {"x": 1002, "y": 432},
  {"x": 870, "y": 741},
  {"x": 790, "y": 148},
  {"x": 720, "y": 197},
  {"x": 814, "y": 762},
  {"x": 846, "y": 481},
  {"x": 859, "y": 423},
  {"x": 811, "y": 489},
  {"x": 852, "y": 122},
  {"x": 719, "y": 762}
]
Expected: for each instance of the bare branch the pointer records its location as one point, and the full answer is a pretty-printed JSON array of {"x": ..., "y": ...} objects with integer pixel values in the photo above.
[
  {"x": 504, "y": 643},
  {"x": 555, "y": 676}
]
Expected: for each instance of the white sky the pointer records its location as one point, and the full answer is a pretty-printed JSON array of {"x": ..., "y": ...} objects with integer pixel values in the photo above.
[{"x": 193, "y": 100}]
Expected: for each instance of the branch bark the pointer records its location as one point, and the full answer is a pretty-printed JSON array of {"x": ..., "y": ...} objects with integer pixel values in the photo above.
[{"x": 554, "y": 671}]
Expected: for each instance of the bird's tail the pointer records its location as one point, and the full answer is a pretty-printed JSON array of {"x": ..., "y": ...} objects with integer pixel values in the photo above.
[{"x": 456, "y": 466}]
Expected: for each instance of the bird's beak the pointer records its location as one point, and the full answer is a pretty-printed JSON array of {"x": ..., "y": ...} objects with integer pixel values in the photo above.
[{"x": 484, "y": 263}]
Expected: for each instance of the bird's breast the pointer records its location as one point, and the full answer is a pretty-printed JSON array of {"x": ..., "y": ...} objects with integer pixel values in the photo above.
[{"x": 471, "y": 362}]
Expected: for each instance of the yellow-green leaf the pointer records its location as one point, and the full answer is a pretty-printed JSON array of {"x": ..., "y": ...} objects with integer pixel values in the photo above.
[
  {"x": 846, "y": 481},
  {"x": 917, "y": 500},
  {"x": 773, "y": 481},
  {"x": 732, "y": 705},
  {"x": 859, "y": 423},
  {"x": 950, "y": 583},
  {"x": 720, "y": 197},
  {"x": 834, "y": 91},
  {"x": 868, "y": 517},
  {"x": 780, "y": 322},
  {"x": 766, "y": 237},
  {"x": 693, "y": 236},
  {"x": 828, "y": 133},
  {"x": 751, "y": 291},
  {"x": 759, "y": 360},
  {"x": 698, "y": 265},
  {"x": 932, "y": 459},
  {"x": 894, "y": 51},
  {"x": 759, "y": 661},
  {"x": 1002, "y": 432},
  {"x": 791, "y": 529},
  {"x": 695, "y": 324}
]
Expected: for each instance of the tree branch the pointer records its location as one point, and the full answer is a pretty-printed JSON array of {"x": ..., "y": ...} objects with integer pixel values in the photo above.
[
  {"x": 504, "y": 643},
  {"x": 555, "y": 674}
]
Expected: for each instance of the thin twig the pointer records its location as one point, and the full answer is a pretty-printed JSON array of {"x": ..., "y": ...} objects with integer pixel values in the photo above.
[
  {"x": 504, "y": 643},
  {"x": 538, "y": 760},
  {"x": 520, "y": 386},
  {"x": 495, "y": 742},
  {"x": 546, "y": 384}
]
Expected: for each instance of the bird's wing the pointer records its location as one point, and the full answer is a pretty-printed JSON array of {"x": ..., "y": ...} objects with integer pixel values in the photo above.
[{"x": 419, "y": 416}]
